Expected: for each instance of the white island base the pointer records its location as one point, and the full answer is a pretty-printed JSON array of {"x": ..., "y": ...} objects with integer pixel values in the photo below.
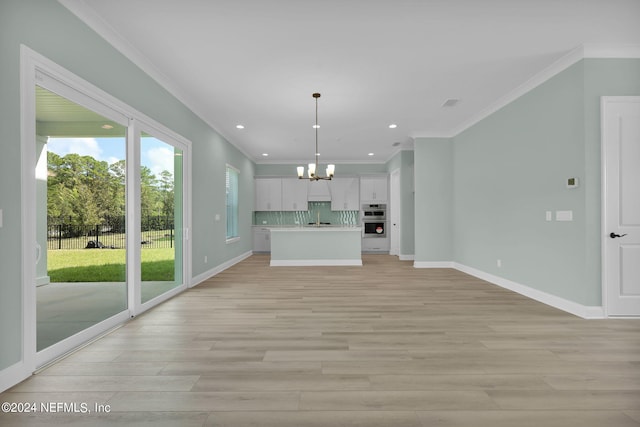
[{"x": 308, "y": 246}]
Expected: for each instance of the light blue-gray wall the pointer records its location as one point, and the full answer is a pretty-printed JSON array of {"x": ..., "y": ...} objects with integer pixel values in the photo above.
[
  {"x": 512, "y": 167},
  {"x": 51, "y": 30},
  {"x": 433, "y": 199}
]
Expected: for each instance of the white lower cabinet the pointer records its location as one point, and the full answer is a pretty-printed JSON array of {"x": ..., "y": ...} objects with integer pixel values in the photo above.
[
  {"x": 373, "y": 244},
  {"x": 261, "y": 239}
]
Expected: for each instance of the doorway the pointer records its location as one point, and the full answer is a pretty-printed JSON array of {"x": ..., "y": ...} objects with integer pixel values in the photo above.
[
  {"x": 80, "y": 205},
  {"x": 106, "y": 208},
  {"x": 621, "y": 205},
  {"x": 394, "y": 213}
]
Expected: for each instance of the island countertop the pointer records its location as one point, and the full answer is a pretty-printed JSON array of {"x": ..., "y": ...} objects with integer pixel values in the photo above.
[{"x": 323, "y": 227}]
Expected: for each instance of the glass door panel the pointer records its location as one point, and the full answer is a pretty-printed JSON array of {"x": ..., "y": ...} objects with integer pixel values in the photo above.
[
  {"x": 161, "y": 224},
  {"x": 81, "y": 230}
]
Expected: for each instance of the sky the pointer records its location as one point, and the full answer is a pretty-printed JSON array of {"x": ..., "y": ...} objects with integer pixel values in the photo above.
[{"x": 154, "y": 154}]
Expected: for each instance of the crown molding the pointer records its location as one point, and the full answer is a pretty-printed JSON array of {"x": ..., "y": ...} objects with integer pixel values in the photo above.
[
  {"x": 536, "y": 80},
  {"x": 93, "y": 20},
  {"x": 590, "y": 51},
  {"x": 607, "y": 51}
]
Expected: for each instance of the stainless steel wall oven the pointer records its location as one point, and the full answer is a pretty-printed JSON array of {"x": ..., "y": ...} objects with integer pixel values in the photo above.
[
  {"x": 374, "y": 220},
  {"x": 375, "y": 228},
  {"x": 374, "y": 212}
]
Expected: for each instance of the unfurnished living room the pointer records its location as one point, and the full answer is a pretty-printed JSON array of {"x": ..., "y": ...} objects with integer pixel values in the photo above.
[{"x": 340, "y": 213}]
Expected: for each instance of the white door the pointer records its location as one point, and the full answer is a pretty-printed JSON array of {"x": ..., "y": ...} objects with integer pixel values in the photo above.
[
  {"x": 394, "y": 217},
  {"x": 621, "y": 216}
]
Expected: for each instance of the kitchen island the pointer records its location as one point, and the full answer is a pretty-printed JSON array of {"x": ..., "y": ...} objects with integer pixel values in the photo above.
[{"x": 316, "y": 245}]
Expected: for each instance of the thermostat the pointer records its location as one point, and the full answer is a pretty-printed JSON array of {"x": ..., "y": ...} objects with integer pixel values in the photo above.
[{"x": 572, "y": 182}]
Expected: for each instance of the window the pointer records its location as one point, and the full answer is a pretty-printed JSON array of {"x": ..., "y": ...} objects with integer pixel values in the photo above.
[{"x": 232, "y": 203}]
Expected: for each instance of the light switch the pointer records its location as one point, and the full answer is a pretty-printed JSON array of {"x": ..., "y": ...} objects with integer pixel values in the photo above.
[
  {"x": 0, "y": 218},
  {"x": 217, "y": 217},
  {"x": 548, "y": 216},
  {"x": 564, "y": 215}
]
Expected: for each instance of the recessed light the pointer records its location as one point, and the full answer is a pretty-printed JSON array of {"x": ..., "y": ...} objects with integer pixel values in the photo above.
[
  {"x": 265, "y": 154},
  {"x": 371, "y": 154},
  {"x": 239, "y": 126},
  {"x": 393, "y": 126},
  {"x": 106, "y": 126}
]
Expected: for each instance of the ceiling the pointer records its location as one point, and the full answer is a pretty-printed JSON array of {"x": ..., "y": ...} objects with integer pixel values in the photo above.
[
  {"x": 59, "y": 117},
  {"x": 375, "y": 62}
]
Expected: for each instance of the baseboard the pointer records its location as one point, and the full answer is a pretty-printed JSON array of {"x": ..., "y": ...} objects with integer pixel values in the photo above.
[
  {"x": 586, "y": 312},
  {"x": 433, "y": 264},
  {"x": 13, "y": 375},
  {"x": 196, "y": 280},
  {"x": 314, "y": 262},
  {"x": 404, "y": 257}
]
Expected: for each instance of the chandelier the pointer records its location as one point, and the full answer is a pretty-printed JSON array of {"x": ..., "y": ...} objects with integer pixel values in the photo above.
[{"x": 313, "y": 167}]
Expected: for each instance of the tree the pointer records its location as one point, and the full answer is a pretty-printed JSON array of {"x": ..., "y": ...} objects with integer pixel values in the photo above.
[
  {"x": 83, "y": 189},
  {"x": 166, "y": 188},
  {"x": 86, "y": 192}
]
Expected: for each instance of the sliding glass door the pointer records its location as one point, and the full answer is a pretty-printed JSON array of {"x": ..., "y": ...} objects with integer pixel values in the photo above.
[
  {"x": 161, "y": 224},
  {"x": 80, "y": 205},
  {"x": 109, "y": 217}
]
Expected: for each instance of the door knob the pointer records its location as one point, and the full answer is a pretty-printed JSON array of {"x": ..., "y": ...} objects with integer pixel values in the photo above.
[{"x": 614, "y": 235}]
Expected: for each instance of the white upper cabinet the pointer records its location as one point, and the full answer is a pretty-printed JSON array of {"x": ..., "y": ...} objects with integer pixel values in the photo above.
[
  {"x": 373, "y": 188},
  {"x": 345, "y": 194},
  {"x": 268, "y": 194},
  {"x": 294, "y": 194}
]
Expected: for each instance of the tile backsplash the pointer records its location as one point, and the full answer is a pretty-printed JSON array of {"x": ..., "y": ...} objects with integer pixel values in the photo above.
[{"x": 306, "y": 217}]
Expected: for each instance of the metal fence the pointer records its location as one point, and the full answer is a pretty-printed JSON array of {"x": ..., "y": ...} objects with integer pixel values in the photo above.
[{"x": 157, "y": 232}]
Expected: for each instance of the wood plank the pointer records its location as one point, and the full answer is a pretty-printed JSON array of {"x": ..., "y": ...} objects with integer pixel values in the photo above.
[{"x": 382, "y": 344}]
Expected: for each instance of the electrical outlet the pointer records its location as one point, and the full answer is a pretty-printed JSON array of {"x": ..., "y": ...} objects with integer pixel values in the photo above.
[
  {"x": 499, "y": 263},
  {"x": 0, "y": 218},
  {"x": 206, "y": 259}
]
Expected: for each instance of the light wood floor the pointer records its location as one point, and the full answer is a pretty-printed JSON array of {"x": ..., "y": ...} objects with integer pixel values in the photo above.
[{"x": 379, "y": 345}]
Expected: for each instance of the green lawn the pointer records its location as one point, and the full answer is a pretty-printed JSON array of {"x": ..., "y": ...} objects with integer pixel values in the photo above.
[{"x": 107, "y": 265}]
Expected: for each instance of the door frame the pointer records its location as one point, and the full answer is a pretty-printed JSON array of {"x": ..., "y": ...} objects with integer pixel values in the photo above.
[
  {"x": 605, "y": 101},
  {"x": 158, "y": 131},
  {"x": 395, "y": 209},
  {"x": 34, "y": 68}
]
